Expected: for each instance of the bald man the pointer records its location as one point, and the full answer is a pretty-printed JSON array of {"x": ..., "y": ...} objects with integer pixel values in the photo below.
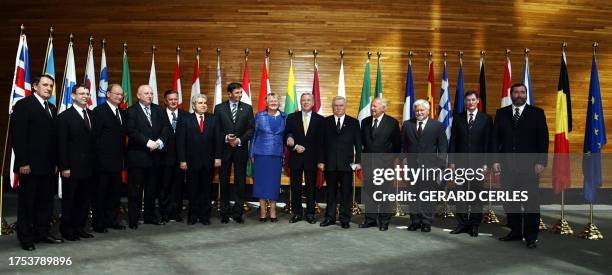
[{"x": 147, "y": 135}]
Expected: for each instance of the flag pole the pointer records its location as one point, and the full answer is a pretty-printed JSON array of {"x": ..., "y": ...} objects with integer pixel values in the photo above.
[
  {"x": 446, "y": 212},
  {"x": 542, "y": 226},
  {"x": 70, "y": 42},
  {"x": 51, "y": 29},
  {"x": 563, "y": 227},
  {"x": 287, "y": 209},
  {"x": 490, "y": 217},
  {"x": 91, "y": 40},
  {"x": 5, "y": 228},
  {"x": 590, "y": 231},
  {"x": 482, "y": 65}
]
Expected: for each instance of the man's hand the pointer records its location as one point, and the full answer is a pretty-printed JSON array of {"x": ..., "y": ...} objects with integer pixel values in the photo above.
[
  {"x": 66, "y": 173},
  {"x": 183, "y": 165},
  {"x": 357, "y": 166},
  {"x": 231, "y": 140},
  {"x": 25, "y": 170},
  {"x": 539, "y": 168},
  {"x": 321, "y": 166},
  {"x": 290, "y": 142},
  {"x": 217, "y": 162},
  {"x": 152, "y": 145},
  {"x": 300, "y": 149}
]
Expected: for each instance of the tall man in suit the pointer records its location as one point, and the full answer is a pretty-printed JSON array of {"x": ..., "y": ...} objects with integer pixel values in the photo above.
[
  {"x": 148, "y": 134},
  {"x": 199, "y": 152},
  {"x": 470, "y": 134},
  {"x": 236, "y": 126},
  {"x": 425, "y": 140},
  {"x": 521, "y": 128},
  {"x": 75, "y": 138},
  {"x": 380, "y": 133},
  {"x": 303, "y": 131},
  {"x": 110, "y": 133},
  {"x": 34, "y": 143},
  {"x": 339, "y": 153},
  {"x": 172, "y": 178}
]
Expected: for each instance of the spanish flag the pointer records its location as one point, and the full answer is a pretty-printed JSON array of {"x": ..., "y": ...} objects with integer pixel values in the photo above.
[
  {"x": 431, "y": 94},
  {"x": 563, "y": 121}
]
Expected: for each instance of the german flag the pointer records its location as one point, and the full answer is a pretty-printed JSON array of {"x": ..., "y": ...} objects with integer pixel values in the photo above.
[{"x": 431, "y": 92}]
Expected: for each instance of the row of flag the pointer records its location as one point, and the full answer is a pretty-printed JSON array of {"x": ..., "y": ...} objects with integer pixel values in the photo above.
[{"x": 595, "y": 135}]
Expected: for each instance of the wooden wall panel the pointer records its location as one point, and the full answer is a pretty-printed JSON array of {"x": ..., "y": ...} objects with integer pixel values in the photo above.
[{"x": 393, "y": 27}]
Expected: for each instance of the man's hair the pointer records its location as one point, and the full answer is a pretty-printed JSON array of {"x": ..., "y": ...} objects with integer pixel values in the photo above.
[
  {"x": 74, "y": 89},
  {"x": 112, "y": 86},
  {"x": 382, "y": 101},
  {"x": 471, "y": 92},
  {"x": 233, "y": 86},
  {"x": 422, "y": 102},
  {"x": 306, "y": 94},
  {"x": 169, "y": 92},
  {"x": 517, "y": 85},
  {"x": 339, "y": 97},
  {"x": 37, "y": 78},
  {"x": 196, "y": 97}
]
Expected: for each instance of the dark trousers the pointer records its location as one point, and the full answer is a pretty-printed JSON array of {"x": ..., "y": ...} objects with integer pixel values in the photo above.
[
  {"x": 239, "y": 188},
  {"x": 310, "y": 177},
  {"x": 379, "y": 218},
  {"x": 523, "y": 217},
  {"x": 422, "y": 212},
  {"x": 469, "y": 214},
  {"x": 139, "y": 180},
  {"x": 199, "y": 182},
  {"x": 106, "y": 199},
  {"x": 75, "y": 205},
  {"x": 34, "y": 207},
  {"x": 344, "y": 180},
  {"x": 171, "y": 192}
]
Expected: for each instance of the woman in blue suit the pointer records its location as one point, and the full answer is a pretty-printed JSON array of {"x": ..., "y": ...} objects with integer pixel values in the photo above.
[{"x": 267, "y": 156}]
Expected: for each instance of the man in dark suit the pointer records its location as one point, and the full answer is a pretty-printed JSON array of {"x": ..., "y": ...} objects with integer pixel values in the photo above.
[
  {"x": 470, "y": 141},
  {"x": 380, "y": 133},
  {"x": 303, "y": 132},
  {"x": 198, "y": 153},
  {"x": 521, "y": 128},
  {"x": 425, "y": 140},
  {"x": 148, "y": 134},
  {"x": 110, "y": 133},
  {"x": 339, "y": 153},
  {"x": 172, "y": 178},
  {"x": 34, "y": 144},
  {"x": 75, "y": 139},
  {"x": 236, "y": 126}
]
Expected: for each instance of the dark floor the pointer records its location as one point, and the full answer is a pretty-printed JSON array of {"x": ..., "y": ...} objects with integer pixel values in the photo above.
[{"x": 302, "y": 248}]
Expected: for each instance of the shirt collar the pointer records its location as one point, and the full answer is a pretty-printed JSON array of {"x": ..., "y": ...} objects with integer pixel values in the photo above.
[
  {"x": 475, "y": 112},
  {"x": 424, "y": 122},
  {"x": 521, "y": 108},
  {"x": 79, "y": 109},
  {"x": 113, "y": 107},
  {"x": 40, "y": 99},
  {"x": 170, "y": 112},
  {"x": 380, "y": 118},
  {"x": 143, "y": 106}
]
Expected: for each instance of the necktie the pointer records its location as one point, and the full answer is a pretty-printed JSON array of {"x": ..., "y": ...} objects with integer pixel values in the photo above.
[
  {"x": 471, "y": 121},
  {"x": 201, "y": 124},
  {"x": 234, "y": 112},
  {"x": 374, "y": 127},
  {"x": 118, "y": 116},
  {"x": 86, "y": 118},
  {"x": 517, "y": 116},
  {"x": 338, "y": 126},
  {"x": 420, "y": 129},
  {"x": 148, "y": 113},
  {"x": 47, "y": 108},
  {"x": 174, "y": 121},
  {"x": 305, "y": 121}
]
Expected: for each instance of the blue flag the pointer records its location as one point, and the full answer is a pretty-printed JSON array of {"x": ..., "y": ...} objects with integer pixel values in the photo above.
[
  {"x": 527, "y": 82},
  {"x": 459, "y": 91},
  {"x": 445, "y": 115},
  {"x": 409, "y": 96},
  {"x": 594, "y": 138}
]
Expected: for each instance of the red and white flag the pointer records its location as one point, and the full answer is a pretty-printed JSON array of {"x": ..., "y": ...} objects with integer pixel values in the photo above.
[
  {"x": 176, "y": 80},
  {"x": 246, "y": 85},
  {"x": 195, "y": 83},
  {"x": 264, "y": 89},
  {"x": 507, "y": 83},
  {"x": 90, "y": 78}
]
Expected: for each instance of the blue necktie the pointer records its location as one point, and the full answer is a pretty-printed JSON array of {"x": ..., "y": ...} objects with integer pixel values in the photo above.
[{"x": 174, "y": 121}]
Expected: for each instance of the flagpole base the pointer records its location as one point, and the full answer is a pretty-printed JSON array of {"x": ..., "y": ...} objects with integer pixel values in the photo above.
[
  {"x": 399, "y": 212},
  {"x": 246, "y": 207},
  {"x": 591, "y": 232},
  {"x": 562, "y": 227},
  {"x": 490, "y": 217},
  {"x": 542, "y": 226},
  {"x": 8, "y": 229},
  {"x": 446, "y": 212},
  {"x": 287, "y": 208},
  {"x": 355, "y": 209},
  {"x": 317, "y": 209}
]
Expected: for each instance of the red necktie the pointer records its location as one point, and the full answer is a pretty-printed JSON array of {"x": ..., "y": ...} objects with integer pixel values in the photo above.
[{"x": 201, "y": 124}]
